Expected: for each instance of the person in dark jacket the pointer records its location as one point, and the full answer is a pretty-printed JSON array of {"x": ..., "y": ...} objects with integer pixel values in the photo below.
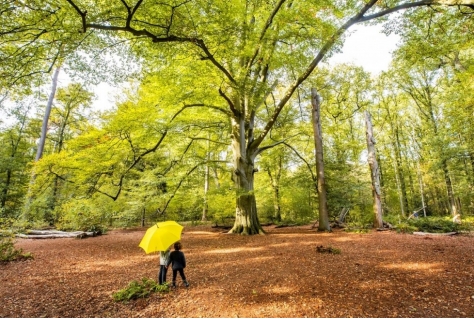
[{"x": 178, "y": 263}]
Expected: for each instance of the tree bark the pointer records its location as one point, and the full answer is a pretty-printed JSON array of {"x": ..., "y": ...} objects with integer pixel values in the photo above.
[
  {"x": 39, "y": 151},
  {"x": 318, "y": 144},
  {"x": 50, "y": 234},
  {"x": 276, "y": 190},
  {"x": 47, "y": 112},
  {"x": 246, "y": 217},
  {"x": 400, "y": 174},
  {"x": 205, "y": 205},
  {"x": 449, "y": 187},
  {"x": 422, "y": 192},
  {"x": 375, "y": 173}
]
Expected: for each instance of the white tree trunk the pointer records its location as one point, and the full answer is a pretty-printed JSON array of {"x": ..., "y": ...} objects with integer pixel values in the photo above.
[{"x": 47, "y": 112}]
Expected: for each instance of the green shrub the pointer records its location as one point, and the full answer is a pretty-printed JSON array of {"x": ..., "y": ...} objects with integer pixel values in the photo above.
[
  {"x": 8, "y": 252},
  {"x": 328, "y": 250},
  {"x": 405, "y": 227},
  {"x": 137, "y": 289},
  {"x": 438, "y": 224},
  {"x": 82, "y": 214},
  {"x": 429, "y": 224}
]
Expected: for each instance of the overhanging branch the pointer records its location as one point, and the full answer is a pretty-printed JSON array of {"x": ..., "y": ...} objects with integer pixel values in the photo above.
[
  {"x": 408, "y": 5},
  {"x": 227, "y": 113}
]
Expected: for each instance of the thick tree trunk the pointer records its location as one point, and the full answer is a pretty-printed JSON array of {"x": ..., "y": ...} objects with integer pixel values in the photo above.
[
  {"x": 246, "y": 217},
  {"x": 375, "y": 173},
  {"x": 318, "y": 143}
]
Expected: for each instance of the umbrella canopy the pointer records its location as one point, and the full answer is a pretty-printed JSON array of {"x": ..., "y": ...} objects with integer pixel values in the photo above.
[{"x": 161, "y": 236}]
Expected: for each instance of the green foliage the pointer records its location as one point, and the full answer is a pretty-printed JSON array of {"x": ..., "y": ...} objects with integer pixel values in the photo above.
[
  {"x": 113, "y": 173},
  {"x": 82, "y": 214},
  {"x": 357, "y": 230},
  {"x": 435, "y": 224},
  {"x": 359, "y": 219},
  {"x": 6, "y": 223},
  {"x": 430, "y": 224},
  {"x": 405, "y": 228},
  {"x": 137, "y": 289},
  {"x": 8, "y": 252},
  {"x": 328, "y": 250}
]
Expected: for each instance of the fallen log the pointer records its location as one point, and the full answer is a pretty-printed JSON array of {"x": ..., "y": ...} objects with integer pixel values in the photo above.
[
  {"x": 51, "y": 234},
  {"x": 420, "y": 233}
]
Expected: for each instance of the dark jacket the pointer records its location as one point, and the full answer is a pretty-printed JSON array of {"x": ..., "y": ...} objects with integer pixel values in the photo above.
[{"x": 177, "y": 260}]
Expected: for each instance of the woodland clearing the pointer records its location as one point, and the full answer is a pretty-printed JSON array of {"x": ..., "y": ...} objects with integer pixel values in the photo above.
[{"x": 281, "y": 274}]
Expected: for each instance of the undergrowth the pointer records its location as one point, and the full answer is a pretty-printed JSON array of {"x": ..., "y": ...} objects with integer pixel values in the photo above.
[
  {"x": 137, "y": 289},
  {"x": 431, "y": 225},
  {"x": 328, "y": 250},
  {"x": 8, "y": 252}
]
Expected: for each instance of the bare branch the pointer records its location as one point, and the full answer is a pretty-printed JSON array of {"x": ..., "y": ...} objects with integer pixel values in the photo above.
[
  {"x": 179, "y": 185},
  {"x": 313, "y": 177},
  {"x": 260, "y": 150}
]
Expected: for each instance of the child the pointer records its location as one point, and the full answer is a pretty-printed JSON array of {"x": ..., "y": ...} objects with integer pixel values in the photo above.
[
  {"x": 178, "y": 263},
  {"x": 164, "y": 259}
]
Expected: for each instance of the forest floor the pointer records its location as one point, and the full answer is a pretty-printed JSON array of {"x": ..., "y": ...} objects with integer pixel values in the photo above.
[{"x": 281, "y": 274}]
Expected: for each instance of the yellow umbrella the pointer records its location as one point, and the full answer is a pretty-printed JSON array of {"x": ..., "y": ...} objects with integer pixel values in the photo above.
[{"x": 161, "y": 236}]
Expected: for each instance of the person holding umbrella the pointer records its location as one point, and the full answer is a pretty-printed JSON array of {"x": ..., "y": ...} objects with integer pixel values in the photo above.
[
  {"x": 160, "y": 237},
  {"x": 164, "y": 258},
  {"x": 178, "y": 263}
]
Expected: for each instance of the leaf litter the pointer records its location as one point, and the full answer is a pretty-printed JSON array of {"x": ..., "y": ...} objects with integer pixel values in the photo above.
[{"x": 281, "y": 274}]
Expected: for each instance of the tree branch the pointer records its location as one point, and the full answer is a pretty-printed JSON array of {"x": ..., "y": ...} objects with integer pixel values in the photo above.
[
  {"x": 231, "y": 105},
  {"x": 200, "y": 105},
  {"x": 260, "y": 150},
  {"x": 313, "y": 177},
  {"x": 200, "y": 43},
  {"x": 264, "y": 31},
  {"x": 467, "y": 3},
  {"x": 177, "y": 187},
  {"x": 325, "y": 49}
]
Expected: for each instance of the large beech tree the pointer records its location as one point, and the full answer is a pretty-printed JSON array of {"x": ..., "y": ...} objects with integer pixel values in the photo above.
[{"x": 258, "y": 53}]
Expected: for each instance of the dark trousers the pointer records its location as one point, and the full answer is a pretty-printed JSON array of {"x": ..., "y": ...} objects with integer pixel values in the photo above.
[
  {"x": 181, "y": 273},
  {"x": 162, "y": 274}
]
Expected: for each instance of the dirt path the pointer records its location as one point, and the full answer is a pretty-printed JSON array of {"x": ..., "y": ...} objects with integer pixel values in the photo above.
[{"x": 381, "y": 274}]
